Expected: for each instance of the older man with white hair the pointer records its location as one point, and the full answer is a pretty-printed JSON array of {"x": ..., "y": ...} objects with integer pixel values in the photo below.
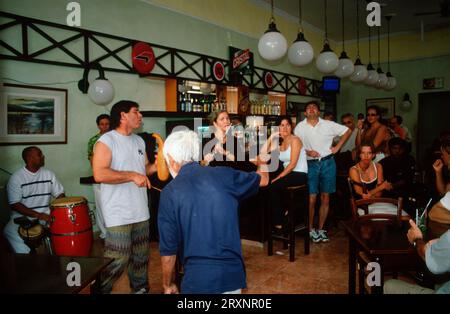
[{"x": 198, "y": 219}]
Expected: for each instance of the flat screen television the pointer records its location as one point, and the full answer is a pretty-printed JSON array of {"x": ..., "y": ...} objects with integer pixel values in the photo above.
[{"x": 331, "y": 84}]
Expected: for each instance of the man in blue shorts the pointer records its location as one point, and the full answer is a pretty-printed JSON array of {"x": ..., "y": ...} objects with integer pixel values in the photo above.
[{"x": 317, "y": 136}]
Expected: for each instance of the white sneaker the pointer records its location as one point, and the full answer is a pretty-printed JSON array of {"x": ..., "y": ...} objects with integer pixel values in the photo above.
[
  {"x": 142, "y": 291},
  {"x": 314, "y": 236},
  {"x": 323, "y": 236}
]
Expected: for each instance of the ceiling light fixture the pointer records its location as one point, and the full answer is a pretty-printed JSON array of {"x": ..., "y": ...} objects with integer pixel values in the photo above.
[
  {"x": 372, "y": 75},
  {"x": 360, "y": 72},
  {"x": 345, "y": 67},
  {"x": 392, "y": 81},
  {"x": 327, "y": 62},
  {"x": 272, "y": 45},
  {"x": 301, "y": 52},
  {"x": 382, "y": 78}
]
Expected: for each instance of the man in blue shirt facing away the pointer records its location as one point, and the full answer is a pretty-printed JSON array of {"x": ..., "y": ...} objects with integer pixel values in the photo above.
[{"x": 198, "y": 219}]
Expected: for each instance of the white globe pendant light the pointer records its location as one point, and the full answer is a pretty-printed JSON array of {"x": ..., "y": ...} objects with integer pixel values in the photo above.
[
  {"x": 327, "y": 62},
  {"x": 345, "y": 67},
  {"x": 372, "y": 76},
  {"x": 272, "y": 45},
  {"x": 100, "y": 91},
  {"x": 406, "y": 104},
  {"x": 382, "y": 79},
  {"x": 391, "y": 80},
  {"x": 301, "y": 52},
  {"x": 360, "y": 72}
]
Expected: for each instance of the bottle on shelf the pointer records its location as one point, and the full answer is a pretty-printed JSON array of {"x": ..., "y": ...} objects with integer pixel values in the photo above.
[
  {"x": 182, "y": 103},
  {"x": 188, "y": 104}
]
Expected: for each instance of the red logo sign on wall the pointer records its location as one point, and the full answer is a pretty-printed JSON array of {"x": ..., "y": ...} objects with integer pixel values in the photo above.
[
  {"x": 268, "y": 79},
  {"x": 143, "y": 58},
  {"x": 218, "y": 71},
  {"x": 301, "y": 85}
]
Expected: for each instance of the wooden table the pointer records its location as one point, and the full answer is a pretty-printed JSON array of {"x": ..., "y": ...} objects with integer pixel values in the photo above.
[
  {"x": 26, "y": 273},
  {"x": 386, "y": 243}
]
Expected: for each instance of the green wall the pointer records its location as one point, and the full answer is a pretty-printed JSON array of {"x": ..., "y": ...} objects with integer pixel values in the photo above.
[
  {"x": 142, "y": 21},
  {"x": 127, "y": 18},
  {"x": 409, "y": 75}
]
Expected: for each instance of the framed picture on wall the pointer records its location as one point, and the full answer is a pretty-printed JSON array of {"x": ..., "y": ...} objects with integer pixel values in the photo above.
[
  {"x": 386, "y": 105},
  {"x": 32, "y": 115}
]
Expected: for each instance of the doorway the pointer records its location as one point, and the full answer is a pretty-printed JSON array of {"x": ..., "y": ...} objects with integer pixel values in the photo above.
[{"x": 433, "y": 118}]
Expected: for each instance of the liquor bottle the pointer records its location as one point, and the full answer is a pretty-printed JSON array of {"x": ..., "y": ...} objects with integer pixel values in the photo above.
[
  {"x": 182, "y": 103},
  {"x": 188, "y": 104}
]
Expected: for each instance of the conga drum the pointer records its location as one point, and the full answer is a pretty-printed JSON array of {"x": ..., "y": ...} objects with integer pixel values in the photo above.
[{"x": 71, "y": 227}]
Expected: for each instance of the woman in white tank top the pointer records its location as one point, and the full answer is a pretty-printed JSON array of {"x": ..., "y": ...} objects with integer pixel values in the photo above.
[{"x": 295, "y": 168}]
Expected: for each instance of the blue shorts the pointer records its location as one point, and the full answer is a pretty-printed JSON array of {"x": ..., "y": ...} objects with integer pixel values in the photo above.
[{"x": 322, "y": 176}]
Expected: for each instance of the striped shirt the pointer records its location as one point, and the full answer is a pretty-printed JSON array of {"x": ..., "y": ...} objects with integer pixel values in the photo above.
[{"x": 34, "y": 190}]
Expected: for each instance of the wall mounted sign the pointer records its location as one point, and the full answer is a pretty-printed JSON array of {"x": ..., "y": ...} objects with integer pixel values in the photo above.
[
  {"x": 143, "y": 58},
  {"x": 268, "y": 80},
  {"x": 241, "y": 61},
  {"x": 218, "y": 71},
  {"x": 433, "y": 83}
]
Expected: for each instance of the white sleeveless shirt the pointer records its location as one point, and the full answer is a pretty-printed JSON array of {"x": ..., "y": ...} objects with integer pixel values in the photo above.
[
  {"x": 124, "y": 203},
  {"x": 302, "y": 165}
]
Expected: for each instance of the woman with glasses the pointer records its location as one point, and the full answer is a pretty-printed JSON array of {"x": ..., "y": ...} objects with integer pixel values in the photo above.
[
  {"x": 292, "y": 155},
  {"x": 373, "y": 131}
]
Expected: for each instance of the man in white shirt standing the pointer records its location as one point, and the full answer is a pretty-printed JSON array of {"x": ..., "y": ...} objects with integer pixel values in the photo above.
[
  {"x": 317, "y": 137},
  {"x": 30, "y": 191},
  {"x": 120, "y": 164}
]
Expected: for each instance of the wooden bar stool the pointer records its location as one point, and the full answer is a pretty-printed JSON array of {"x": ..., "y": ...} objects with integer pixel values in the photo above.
[{"x": 288, "y": 237}]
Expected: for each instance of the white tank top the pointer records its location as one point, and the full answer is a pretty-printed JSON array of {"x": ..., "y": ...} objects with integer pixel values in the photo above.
[
  {"x": 302, "y": 165},
  {"x": 124, "y": 203}
]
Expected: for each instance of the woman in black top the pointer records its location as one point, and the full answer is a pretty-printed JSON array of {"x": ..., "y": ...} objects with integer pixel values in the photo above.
[
  {"x": 366, "y": 175},
  {"x": 223, "y": 148}
]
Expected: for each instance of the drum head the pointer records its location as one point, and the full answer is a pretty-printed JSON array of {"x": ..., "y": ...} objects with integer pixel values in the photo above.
[
  {"x": 65, "y": 201},
  {"x": 34, "y": 232}
]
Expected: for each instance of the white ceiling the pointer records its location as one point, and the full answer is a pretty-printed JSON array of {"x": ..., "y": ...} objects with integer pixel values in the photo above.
[{"x": 403, "y": 21}]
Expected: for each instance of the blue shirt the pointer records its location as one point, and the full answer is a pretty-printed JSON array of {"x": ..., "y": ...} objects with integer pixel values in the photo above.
[{"x": 198, "y": 219}]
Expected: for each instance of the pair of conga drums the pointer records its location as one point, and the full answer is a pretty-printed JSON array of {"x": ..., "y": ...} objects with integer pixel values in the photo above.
[{"x": 71, "y": 227}]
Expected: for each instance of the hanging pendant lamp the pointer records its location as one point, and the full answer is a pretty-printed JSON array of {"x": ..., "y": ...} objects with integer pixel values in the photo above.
[
  {"x": 372, "y": 75},
  {"x": 272, "y": 45},
  {"x": 360, "y": 71},
  {"x": 301, "y": 52},
  {"x": 382, "y": 78},
  {"x": 392, "y": 82},
  {"x": 345, "y": 67},
  {"x": 327, "y": 62}
]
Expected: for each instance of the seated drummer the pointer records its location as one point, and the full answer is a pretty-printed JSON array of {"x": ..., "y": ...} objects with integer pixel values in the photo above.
[{"x": 30, "y": 190}]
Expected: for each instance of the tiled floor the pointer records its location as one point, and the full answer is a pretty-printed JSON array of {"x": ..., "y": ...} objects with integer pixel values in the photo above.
[{"x": 324, "y": 270}]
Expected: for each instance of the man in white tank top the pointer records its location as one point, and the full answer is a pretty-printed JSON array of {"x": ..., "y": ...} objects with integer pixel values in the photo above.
[{"x": 120, "y": 164}]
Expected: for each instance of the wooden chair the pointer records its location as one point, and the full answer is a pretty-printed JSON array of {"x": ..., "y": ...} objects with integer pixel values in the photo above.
[{"x": 364, "y": 206}]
